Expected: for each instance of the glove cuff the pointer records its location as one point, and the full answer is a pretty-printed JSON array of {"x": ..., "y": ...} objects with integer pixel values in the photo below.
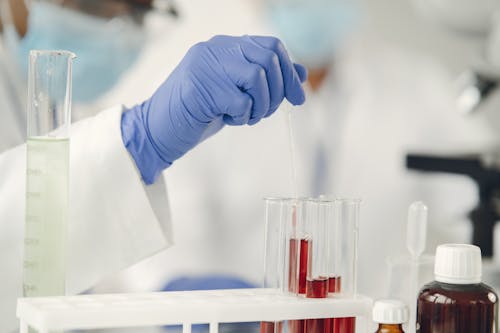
[{"x": 140, "y": 147}]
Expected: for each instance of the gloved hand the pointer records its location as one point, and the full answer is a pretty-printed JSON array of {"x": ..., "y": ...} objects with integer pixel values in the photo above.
[{"x": 226, "y": 80}]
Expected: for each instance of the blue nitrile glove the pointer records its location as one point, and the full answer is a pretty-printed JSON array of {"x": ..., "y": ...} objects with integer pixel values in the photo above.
[
  {"x": 226, "y": 80},
  {"x": 206, "y": 282}
]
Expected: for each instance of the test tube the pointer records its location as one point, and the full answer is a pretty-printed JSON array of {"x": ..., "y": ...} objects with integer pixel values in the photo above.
[
  {"x": 286, "y": 253},
  {"x": 299, "y": 249},
  {"x": 343, "y": 250},
  {"x": 278, "y": 215},
  {"x": 319, "y": 217},
  {"x": 47, "y": 173},
  {"x": 299, "y": 242}
]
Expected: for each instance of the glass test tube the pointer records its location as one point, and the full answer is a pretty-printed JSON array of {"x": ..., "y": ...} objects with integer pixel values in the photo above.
[
  {"x": 343, "y": 250},
  {"x": 320, "y": 214},
  {"x": 47, "y": 173},
  {"x": 299, "y": 246},
  {"x": 287, "y": 248},
  {"x": 278, "y": 211}
]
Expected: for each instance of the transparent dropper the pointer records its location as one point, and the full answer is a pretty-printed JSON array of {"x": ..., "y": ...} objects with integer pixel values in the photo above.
[{"x": 416, "y": 234}]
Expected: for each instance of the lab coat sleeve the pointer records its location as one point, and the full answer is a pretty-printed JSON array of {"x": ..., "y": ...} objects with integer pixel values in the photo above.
[{"x": 115, "y": 220}]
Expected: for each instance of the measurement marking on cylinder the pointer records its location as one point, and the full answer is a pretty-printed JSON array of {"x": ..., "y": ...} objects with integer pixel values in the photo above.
[
  {"x": 32, "y": 219},
  {"x": 34, "y": 172},
  {"x": 29, "y": 288},
  {"x": 30, "y": 264},
  {"x": 31, "y": 241},
  {"x": 34, "y": 195}
]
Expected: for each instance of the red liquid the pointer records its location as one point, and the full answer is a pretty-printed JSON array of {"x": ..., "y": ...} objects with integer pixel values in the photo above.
[
  {"x": 317, "y": 288},
  {"x": 339, "y": 325},
  {"x": 297, "y": 326},
  {"x": 304, "y": 255},
  {"x": 297, "y": 281},
  {"x": 316, "y": 325},
  {"x": 344, "y": 325},
  {"x": 292, "y": 266},
  {"x": 334, "y": 284},
  {"x": 271, "y": 327},
  {"x": 329, "y": 325},
  {"x": 297, "y": 277}
]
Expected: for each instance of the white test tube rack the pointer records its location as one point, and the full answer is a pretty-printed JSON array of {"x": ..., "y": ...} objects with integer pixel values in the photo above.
[{"x": 185, "y": 308}]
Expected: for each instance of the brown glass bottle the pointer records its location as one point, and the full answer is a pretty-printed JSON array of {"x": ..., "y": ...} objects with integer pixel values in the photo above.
[
  {"x": 390, "y": 328},
  {"x": 457, "y": 308}
]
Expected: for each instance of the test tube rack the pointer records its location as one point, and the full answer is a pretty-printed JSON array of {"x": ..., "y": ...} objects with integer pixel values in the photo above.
[{"x": 184, "y": 308}]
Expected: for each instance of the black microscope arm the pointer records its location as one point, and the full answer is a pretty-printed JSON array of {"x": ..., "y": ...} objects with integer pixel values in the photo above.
[{"x": 486, "y": 213}]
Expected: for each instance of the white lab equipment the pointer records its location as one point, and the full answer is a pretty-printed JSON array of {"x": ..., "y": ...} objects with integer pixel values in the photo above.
[
  {"x": 407, "y": 274},
  {"x": 188, "y": 307},
  {"x": 297, "y": 256},
  {"x": 416, "y": 235},
  {"x": 47, "y": 173}
]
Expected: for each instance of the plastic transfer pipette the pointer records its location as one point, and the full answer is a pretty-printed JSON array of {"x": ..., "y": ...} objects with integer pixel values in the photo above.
[
  {"x": 416, "y": 234},
  {"x": 291, "y": 145}
]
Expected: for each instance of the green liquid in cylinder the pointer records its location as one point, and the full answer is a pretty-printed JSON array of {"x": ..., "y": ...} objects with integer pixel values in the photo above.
[{"x": 47, "y": 197}]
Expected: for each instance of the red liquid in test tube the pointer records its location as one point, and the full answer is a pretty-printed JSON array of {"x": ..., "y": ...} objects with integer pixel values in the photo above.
[
  {"x": 299, "y": 249},
  {"x": 271, "y": 327},
  {"x": 334, "y": 283},
  {"x": 317, "y": 288},
  {"x": 292, "y": 266},
  {"x": 297, "y": 280},
  {"x": 339, "y": 325},
  {"x": 344, "y": 325}
]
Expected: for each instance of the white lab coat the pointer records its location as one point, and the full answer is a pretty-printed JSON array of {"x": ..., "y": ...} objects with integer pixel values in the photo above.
[{"x": 115, "y": 220}]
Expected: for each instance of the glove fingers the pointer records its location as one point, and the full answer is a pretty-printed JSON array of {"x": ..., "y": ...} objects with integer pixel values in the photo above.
[
  {"x": 271, "y": 64},
  {"x": 251, "y": 79},
  {"x": 237, "y": 108},
  {"x": 293, "y": 87},
  {"x": 301, "y": 71}
]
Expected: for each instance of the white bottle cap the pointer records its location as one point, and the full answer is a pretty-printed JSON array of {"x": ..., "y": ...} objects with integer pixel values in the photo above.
[
  {"x": 458, "y": 264},
  {"x": 388, "y": 311}
]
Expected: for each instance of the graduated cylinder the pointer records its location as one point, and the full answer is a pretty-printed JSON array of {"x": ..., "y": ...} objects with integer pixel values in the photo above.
[{"x": 47, "y": 173}]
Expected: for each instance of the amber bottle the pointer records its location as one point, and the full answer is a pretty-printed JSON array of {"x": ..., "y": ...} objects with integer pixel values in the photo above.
[
  {"x": 390, "y": 316},
  {"x": 457, "y": 301}
]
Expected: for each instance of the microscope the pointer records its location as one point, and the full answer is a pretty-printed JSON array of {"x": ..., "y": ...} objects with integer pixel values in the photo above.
[
  {"x": 484, "y": 170},
  {"x": 478, "y": 91}
]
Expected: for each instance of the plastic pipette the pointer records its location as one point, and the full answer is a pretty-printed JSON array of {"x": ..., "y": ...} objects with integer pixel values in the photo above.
[
  {"x": 415, "y": 242},
  {"x": 291, "y": 143}
]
